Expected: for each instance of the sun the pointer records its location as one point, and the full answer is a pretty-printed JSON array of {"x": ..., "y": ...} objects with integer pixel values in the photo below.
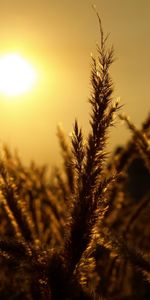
[{"x": 17, "y": 75}]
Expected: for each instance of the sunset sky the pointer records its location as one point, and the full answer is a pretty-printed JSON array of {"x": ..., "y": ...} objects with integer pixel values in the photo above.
[{"x": 57, "y": 38}]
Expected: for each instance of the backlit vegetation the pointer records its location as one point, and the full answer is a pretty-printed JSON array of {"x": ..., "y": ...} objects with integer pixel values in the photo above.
[{"x": 83, "y": 232}]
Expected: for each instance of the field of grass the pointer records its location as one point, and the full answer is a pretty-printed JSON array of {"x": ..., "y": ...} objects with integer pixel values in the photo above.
[{"x": 81, "y": 232}]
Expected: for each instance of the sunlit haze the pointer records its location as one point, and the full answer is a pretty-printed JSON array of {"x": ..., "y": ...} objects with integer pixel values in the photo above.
[
  {"x": 54, "y": 40},
  {"x": 16, "y": 75}
]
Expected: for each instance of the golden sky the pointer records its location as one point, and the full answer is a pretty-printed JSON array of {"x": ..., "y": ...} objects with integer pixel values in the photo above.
[{"x": 57, "y": 37}]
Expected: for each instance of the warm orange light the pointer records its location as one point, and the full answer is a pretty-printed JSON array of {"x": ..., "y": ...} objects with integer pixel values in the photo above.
[{"x": 17, "y": 76}]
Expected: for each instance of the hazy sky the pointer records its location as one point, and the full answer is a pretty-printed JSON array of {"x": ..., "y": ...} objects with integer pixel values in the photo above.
[{"x": 57, "y": 37}]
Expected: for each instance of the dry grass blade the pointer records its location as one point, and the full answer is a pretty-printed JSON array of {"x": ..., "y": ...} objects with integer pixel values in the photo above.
[{"x": 141, "y": 139}]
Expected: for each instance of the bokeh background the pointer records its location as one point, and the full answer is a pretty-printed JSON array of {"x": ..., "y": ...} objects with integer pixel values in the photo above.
[{"x": 57, "y": 38}]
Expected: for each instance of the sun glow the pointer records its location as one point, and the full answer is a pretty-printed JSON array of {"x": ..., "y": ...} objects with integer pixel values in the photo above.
[{"x": 17, "y": 76}]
